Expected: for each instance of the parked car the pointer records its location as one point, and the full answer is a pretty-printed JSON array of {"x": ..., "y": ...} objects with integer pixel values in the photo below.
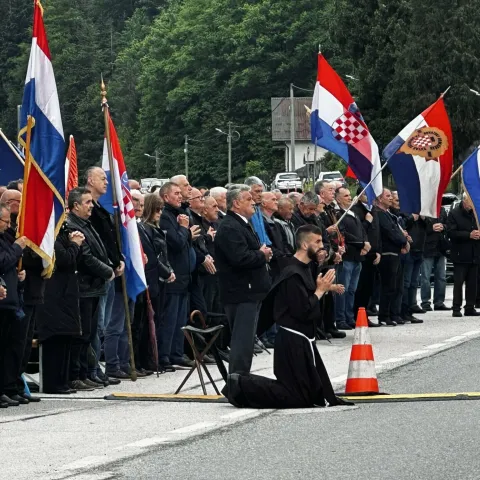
[
  {"x": 287, "y": 182},
  {"x": 334, "y": 176},
  {"x": 147, "y": 183}
]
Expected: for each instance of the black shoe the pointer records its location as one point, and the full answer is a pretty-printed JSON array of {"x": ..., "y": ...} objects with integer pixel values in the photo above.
[
  {"x": 140, "y": 374},
  {"x": 9, "y": 401},
  {"x": 112, "y": 381},
  {"x": 269, "y": 345},
  {"x": 399, "y": 320},
  {"x": 412, "y": 319},
  {"x": 388, "y": 323},
  {"x": 19, "y": 399},
  {"x": 91, "y": 383},
  {"x": 417, "y": 309},
  {"x": 456, "y": 313},
  {"x": 442, "y": 308},
  {"x": 60, "y": 391},
  {"x": 343, "y": 326},
  {"x": 353, "y": 326},
  {"x": 428, "y": 308},
  {"x": 30, "y": 398},
  {"x": 373, "y": 324},
  {"x": 477, "y": 305},
  {"x": 146, "y": 372},
  {"x": 336, "y": 333},
  {"x": 166, "y": 368},
  {"x": 97, "y": 380},
  {"x": 3, "y": 404},
  {"x": 372, "y": 312},
  {"x": 118, "y": 374},
  {"x": 471, "y": 312},
  {"x": 184, "y": 363}
]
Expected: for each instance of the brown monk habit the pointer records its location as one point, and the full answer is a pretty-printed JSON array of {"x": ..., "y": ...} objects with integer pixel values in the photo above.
[{"x": 302, "y": 380}]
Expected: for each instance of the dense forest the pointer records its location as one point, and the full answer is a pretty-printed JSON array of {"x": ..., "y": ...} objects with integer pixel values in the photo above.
[{"x": 186, "y": 67}]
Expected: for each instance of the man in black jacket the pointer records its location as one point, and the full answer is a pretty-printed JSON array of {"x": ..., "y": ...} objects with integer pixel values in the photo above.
[
  {"x": 464, "y": 234},
  {"x": 357, "y": 246},
  {"x": 111, "y": 310},
  {"x": 283, "y": 216},
  {"x": 434, "y": 259},
  {"x": 182, "y": 257},
  {"x": 11, "y": 251},
  {"x": 242, "y": 265},
  {"x": 94, "y": 271},
  {"x": 394, "y": 242},
  {"x": 369, "y": 218}
]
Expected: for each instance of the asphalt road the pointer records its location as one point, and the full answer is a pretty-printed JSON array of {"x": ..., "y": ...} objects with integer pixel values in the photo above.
[{"x": 401, "y": 441}]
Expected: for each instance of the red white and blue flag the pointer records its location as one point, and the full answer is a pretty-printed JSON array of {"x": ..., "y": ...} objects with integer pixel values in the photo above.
[
  {"x": 44, "y": 187},
  {"x": 420, "y": 158},
  {"x": 131, "y": 246},
  {"x": 471, "y": 179},
  {"x": 338, "y": 126}
]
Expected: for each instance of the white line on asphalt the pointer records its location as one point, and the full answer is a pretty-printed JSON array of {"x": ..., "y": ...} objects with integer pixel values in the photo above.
[
  {"x": 145, "y": 442},
  {"x": 436, "y": 345},
  {"x": 83, "y": 462},
  {"x": 193, "y": 428},
  {"x": 238, "y": 413},
  {"x": 455, "y": 339},
  {"x": 416, "y": 353},
  {"x": 391, "y": 360},
  {"x": 472, "y": 333},
  {"x": 296, "y": 411}
]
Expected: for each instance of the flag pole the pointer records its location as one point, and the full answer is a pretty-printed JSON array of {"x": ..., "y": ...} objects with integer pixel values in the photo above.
[{"x": 128, "y": 323}]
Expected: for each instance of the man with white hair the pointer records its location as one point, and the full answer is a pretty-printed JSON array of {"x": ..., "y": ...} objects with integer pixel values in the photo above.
[
  {"x": 138, "y": 203},
  {"x": 256, "y": 189},
  {"x": 185, "y": 188},
  {"x": 220, "y": 195}
]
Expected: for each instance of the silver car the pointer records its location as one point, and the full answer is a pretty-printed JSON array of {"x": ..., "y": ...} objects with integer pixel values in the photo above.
[{"x": 287, "y": 182}]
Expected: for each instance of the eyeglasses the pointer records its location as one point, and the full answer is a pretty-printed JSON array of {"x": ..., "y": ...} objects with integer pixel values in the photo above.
[
  {"x": 12, "y": 200},
  {"x": 6, "y": 222},
  {"x": 200, "y": 197},
  {"x": 158, "y": 209}
]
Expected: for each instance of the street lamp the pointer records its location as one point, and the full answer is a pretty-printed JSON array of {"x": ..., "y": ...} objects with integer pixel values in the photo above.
[
  {"x": 229, "y": 141},
  {"x": 157, "y": 162}
]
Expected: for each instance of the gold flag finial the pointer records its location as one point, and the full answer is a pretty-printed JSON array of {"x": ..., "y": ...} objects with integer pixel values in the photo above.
[
  {"x": 103, "y": 92},
  {"x": 39, "y": 5}
]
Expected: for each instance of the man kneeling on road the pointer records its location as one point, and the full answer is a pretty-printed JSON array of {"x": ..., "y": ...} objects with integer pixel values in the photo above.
[{"x": 293, "y": 303}]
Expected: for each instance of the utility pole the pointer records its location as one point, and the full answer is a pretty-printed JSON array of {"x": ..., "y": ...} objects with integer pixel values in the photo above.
[
  {"x": 157, "y": 164},
  {"x": 186, "y": 155},
  {"x": 229, "y": 140},
  {"x": 292, "y": 129}
]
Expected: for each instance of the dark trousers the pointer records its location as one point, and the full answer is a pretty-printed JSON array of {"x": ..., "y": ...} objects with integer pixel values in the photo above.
[
  {"x": 79, "y": 350},
  {"x": 411, "y": 274},
  {"x": 464, "y": 273},
  {"x": 171, "y": 338},
  {"x": 7, "y": 318},
  {"x": 18, "y": 351},
  {"x": 211, "y": 293},
  {"x": 365, "y": 285},
  {"x": 56, "y": 363},
  {"x": 242, "y": 319},
  {"x": 327, "y": 307},
  {"x": 389, "y": 267}
]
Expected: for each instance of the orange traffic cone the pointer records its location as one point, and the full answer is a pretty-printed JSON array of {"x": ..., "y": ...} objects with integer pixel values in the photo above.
[{"x": 362, "y": 378}]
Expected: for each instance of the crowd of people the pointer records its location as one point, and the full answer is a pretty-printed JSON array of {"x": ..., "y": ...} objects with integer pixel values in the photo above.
[{"x": 215, "y": 253}]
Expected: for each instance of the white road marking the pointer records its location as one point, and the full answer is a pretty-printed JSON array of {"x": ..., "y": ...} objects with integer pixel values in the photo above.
[
  {"x": 416, "y": 353},
  {"x": 436, "y": 345},
  {"x": 146, "y": 442},
  {"x": 391, "y": 360},
  {"x": 193, "y": 428},
  {"x": 455, "y": 339},
  {"x": 238, "y": 413},
  {"x": 84, "y": 462},
  {"x": 325, "y": 410}
]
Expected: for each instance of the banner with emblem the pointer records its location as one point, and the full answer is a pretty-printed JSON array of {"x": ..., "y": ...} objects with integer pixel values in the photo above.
[{"x": 420, "y": 158}]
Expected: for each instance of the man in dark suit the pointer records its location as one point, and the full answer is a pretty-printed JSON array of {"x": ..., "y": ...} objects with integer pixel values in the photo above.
[
  {"x": 242, "y": 265},
  {"x": 464, "y": 234},
  {"x": 220, "y": 195}
]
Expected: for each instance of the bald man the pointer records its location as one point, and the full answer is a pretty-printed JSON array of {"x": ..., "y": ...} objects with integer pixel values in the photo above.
[
  {"x": 134, "y": 185},
  {"x": 12, "y": 198}
]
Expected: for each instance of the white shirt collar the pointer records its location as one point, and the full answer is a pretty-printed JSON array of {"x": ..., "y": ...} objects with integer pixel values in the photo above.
[{"x": 241, "y": 216}]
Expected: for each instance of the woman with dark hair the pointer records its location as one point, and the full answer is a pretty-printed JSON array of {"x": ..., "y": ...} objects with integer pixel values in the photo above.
[{"x": 158, "y": 270}]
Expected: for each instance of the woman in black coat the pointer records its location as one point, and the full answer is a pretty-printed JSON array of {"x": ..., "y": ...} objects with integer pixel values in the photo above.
[
  {"x": 58, "y": 319},
  {"x": 158, "y": 270}
]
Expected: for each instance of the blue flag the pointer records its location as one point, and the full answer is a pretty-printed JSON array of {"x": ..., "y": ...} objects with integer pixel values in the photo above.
[
  {"x": 471, "y": 179},
  {"x": 11, "y": 161}
]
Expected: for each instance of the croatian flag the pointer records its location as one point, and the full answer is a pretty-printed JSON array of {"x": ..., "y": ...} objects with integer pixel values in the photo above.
[
  {"x": 338, "y": 126},
  {"x": 71, "y": 169},
  {"x": 471, "y": 179},
  {"x": 420, "y": 158},
  {"x": 42, "y": 210},
  {"x": 131, "y": 246}
]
